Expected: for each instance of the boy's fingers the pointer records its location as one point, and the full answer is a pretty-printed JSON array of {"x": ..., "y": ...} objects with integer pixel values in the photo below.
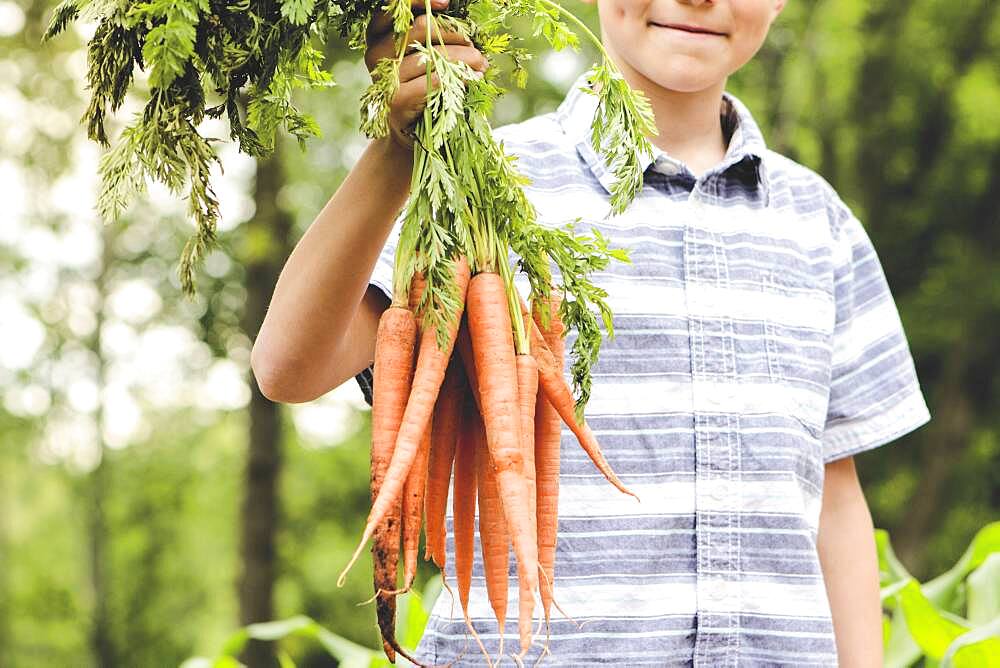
[
  {"x": 381, "y": 22},
  {"x": 385, "y": 47},
  {"x": 410, "y": 99},
  {"x": 411, "y": 67},
  {"x": 418, "y": 33}
]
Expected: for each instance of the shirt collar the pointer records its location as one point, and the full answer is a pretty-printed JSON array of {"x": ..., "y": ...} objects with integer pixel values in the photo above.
[{"x": 576, "y": 112}]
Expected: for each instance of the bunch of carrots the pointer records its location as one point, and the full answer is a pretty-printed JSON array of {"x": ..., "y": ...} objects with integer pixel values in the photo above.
[{"x": 493, "y": 412}]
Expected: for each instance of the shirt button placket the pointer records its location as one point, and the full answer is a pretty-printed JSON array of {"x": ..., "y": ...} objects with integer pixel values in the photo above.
[{"x": 716, "y": 440}]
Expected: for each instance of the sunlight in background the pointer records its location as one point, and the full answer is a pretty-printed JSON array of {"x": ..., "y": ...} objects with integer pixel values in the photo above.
[
  {"x": 161, "y": 366},
  {"x": 11, "y": 19}
]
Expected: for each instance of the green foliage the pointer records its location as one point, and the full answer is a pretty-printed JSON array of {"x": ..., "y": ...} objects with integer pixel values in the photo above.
[
  {"x": 377, "y": 97},
  {"x": 297, "y": 11},
  {"x": 458, "y": 167},
  {"x": 65, "y": 12},
  {"x": 547, "y": 24},
  {"x": 188, "y": 45},
  {"x": 926, "y": 619},
  {"x": 411, "y": 616},
  {"x": 577, "y": 257},
  {"x": 623, "y": 121},
  {"x": 621, "y": 125}
]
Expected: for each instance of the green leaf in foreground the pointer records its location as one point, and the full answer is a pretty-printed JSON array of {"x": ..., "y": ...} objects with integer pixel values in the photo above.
[
  {"x": 577, "y": 257},
  {"x": 347, "y": 653},
  {"x": 978, "y": 648},
  {"x": 621, "y": 123},
  {"x": 933, "y": 629},
  {"x": 983, "y": 591}
]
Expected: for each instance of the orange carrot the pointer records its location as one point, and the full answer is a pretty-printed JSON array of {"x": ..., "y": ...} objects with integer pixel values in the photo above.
[
  {"x": 527, "y": 387},
  {"x": 493, "y": 538},
  {"x": 557, "y": 391},
  {"x": 417, "y": 285},
  {"x": 413, "y": 488},
  {"x": 493, "y": 348},
  {"x": 464, "y": 347},
  {"x": 393, "y": 373},
  {"x": 427, "y": 378},
  {"x": 463, "y": 505},
  {"x": 444, "y": 431},
  {"x": 464, "y": 501},
  {"x": 413, "y": 508},
  {"x": 548, "y": 437}
]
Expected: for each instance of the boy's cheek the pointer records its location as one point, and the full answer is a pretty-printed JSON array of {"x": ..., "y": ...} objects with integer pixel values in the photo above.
[{"x": 751, "y": 20}]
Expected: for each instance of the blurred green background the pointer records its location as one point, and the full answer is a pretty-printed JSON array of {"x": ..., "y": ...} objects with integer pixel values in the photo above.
[{"x": 151, "y": 500}]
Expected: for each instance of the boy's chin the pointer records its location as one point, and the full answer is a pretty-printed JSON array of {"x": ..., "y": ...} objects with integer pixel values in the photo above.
[{"x": 683, "y": 79}]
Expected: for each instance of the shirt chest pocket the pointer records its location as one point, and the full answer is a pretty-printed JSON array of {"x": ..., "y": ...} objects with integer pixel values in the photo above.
[{"x": 798, "y": 320}]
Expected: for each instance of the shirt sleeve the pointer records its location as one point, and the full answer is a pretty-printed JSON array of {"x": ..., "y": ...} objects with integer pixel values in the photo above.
[
  {"x": 875, "y": 396},
  {"x": 381, "y": 276}
]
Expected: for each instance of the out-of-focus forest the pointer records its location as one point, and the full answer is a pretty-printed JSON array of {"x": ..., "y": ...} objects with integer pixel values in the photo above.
[{"x": 152, "y": 500}]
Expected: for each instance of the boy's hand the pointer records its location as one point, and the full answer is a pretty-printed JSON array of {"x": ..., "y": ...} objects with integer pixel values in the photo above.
[{"x": 411, "y": 97}]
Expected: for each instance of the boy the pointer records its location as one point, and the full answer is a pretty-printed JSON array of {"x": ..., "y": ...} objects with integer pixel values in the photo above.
[{"x": 758, "y": 349}]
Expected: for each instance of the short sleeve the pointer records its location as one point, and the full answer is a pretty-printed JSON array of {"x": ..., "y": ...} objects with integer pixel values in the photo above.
[
  {"x": 382, "y": 272},
  {"x": 875, "y": 396},
  {"x": 381, "y": 278}
]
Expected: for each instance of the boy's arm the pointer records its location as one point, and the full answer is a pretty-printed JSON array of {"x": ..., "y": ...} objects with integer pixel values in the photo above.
[
  {"x": 320, "y": 326},
  {"x": 847, "y": 553},
  {"x": 319, "y": 329}
]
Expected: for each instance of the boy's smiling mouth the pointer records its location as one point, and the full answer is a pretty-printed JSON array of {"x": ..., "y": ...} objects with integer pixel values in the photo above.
[{"x": 688, "y": 29}]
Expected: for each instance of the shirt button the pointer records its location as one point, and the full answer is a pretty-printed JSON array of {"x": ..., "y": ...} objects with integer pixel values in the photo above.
[
  {"x": 715, "y": 591},
  {"x": 719, "y": 493}
]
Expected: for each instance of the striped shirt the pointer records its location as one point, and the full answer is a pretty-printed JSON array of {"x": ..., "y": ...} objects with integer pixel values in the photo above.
[{"x": 756, "y": 340}]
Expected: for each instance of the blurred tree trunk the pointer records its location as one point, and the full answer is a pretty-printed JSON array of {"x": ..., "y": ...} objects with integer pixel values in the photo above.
[
  {"x": 949, "y": 435},
  {"x": 261, "y": 505},
  {"x": 97, "y": 483}
]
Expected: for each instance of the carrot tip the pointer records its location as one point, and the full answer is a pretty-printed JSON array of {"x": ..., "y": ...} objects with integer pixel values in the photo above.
[
  {"x": 369, "y": 600},
  {"x": 545, "y": 651},
  {"x": 468, "y": 624},
  {"x": 357, "y": 553}
]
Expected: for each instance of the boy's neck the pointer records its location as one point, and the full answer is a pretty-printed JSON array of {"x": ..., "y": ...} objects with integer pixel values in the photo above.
[{"x": 690, "y": 124}]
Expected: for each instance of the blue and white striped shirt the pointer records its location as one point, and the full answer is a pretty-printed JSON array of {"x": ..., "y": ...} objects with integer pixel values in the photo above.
[{"x": 756, "y": 340}]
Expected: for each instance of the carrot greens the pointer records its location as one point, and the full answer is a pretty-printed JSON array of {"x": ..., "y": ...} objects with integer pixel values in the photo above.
[{"x": 206, "y": 59}]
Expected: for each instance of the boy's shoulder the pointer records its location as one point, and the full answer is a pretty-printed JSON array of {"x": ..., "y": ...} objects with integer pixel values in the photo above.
[
  {"x": 540, "y": 134},
  {"x": 806, "y": 191}
]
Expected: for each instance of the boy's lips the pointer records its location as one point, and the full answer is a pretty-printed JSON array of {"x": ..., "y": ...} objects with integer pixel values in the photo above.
[{"x": 693, "y": 30}]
